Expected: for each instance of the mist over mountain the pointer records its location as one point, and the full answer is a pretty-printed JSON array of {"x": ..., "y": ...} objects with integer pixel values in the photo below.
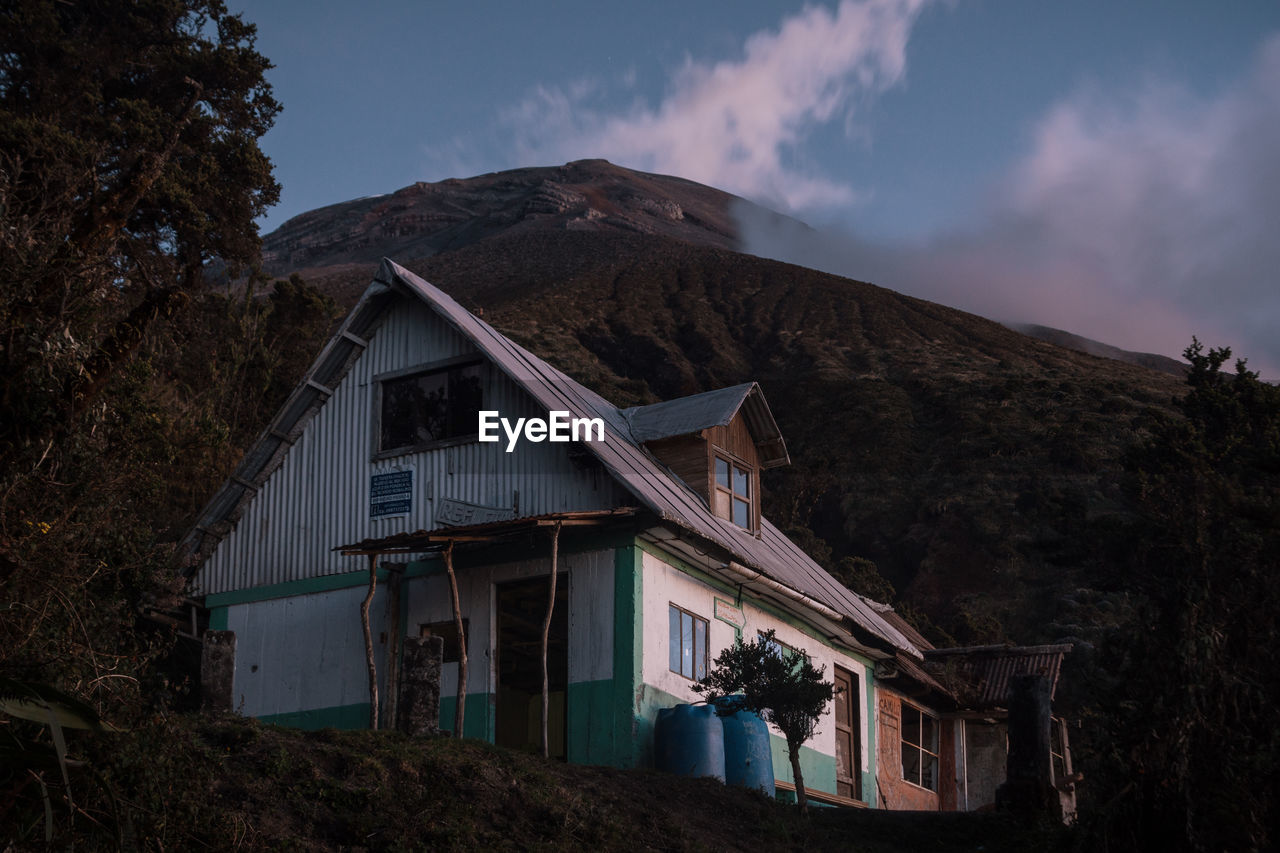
[{"x": 976, "y": 466}]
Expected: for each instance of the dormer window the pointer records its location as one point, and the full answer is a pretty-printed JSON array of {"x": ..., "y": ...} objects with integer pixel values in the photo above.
[{"x": 732, "y": 498}]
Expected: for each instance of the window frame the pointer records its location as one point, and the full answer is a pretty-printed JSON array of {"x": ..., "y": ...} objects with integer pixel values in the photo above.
[
  {"x": 718, "y": 455},
  {"x": 447, "y": 630},
  {"x": 672, "y": 609},
  {"x": 440, "y": 366},
  {"x": 921, "y": 750},
  {"x": 785, "y": 650}
]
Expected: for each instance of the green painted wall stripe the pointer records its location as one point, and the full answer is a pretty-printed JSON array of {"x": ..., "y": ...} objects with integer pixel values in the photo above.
[
  {"x": 326, "y": 583},
  {"x": 337, "y": 717},
  {"x": 478, "y": 724},
  {"x": 590, "y": 727},
  {"x": 218, "y": 618},
  {"x": 869, "y": 792},
  {"x": 628, "y": 646}
]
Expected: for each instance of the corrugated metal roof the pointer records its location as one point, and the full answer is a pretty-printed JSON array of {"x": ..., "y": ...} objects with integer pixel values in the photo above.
[
  {"x": 621, "y": 454},
  {"x": 268, "y": 451},
  {"x": 697, "y": 412},
  {"x": 904, "y": 627},
  {"x": 986, "y": 671},
  {"x": 673, "y": 501}
]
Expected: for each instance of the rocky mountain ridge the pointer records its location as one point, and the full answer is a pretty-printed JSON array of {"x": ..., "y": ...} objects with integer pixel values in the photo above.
[
  {"x": 426, "y": 218},
  {"x": 336, "y": 246}
]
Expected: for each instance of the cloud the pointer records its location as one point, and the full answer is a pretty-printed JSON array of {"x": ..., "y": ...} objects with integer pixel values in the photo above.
[
  {"x": 1136, "y": 218},
  {"x": 737, "y": 124}
]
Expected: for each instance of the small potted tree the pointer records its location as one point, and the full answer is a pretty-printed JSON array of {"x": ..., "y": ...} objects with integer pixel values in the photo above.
[{"x": 782, "y": 686}]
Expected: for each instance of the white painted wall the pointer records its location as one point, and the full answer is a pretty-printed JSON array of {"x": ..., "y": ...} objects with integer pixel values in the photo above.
[
  {"x": 590, "y": 614},
  {"x": 664, "y": 584},
  {"x": 305, "y": 652}
]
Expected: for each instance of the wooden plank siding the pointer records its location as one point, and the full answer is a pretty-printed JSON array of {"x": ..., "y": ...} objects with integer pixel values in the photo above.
[
  {"x": 692, "y": 458},
  {"x": 687, "y": 457}
]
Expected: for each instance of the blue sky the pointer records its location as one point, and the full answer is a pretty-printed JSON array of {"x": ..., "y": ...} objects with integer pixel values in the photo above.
[{"x": 1097, "y": 166}]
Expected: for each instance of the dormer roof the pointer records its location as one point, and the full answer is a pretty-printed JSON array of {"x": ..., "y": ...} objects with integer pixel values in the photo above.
[{"x": 692, "y": 414}]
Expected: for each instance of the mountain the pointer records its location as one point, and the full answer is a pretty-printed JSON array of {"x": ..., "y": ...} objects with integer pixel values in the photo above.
[
  {"x": 426, "y": 218},
  {"x": 343, "y": 241},
  {"x": 978, "y": 467},
  {"x": 1092, "y": 347}
]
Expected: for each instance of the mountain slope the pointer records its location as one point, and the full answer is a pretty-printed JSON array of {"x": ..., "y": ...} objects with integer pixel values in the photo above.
[
  {"x": 970, "y": 462},
  {"x": 977, "y": 466}
]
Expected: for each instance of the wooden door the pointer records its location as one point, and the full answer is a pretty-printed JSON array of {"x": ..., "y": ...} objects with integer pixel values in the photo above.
[{"x": 848, "y": 736}]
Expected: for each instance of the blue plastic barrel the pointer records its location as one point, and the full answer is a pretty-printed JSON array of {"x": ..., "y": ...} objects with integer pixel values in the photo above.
[
  {"x": 748, "y": 758},
  {"x": 688, "y": 740}
]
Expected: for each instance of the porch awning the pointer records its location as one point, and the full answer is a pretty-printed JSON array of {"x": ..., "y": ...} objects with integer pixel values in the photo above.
[{"x": 420, "y": 541}]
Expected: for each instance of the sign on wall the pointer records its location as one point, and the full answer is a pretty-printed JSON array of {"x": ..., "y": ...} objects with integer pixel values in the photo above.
[
  {"x": 456, "y": 513},
  {"x": 391, "y": 493}
]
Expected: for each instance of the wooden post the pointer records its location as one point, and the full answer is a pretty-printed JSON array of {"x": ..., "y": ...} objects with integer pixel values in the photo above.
[
  {"x": 368, "y": 642},
  {"x": 546, "y": 630},
  {"x": 460, "y": 708},
  {"x": 395, "y": 577}
]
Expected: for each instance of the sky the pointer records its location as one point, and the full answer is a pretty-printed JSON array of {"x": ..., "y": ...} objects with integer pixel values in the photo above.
[{"x": 1108, "y": 168}]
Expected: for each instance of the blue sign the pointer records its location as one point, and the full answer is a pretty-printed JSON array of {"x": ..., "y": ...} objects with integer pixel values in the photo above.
[{"x": 391, "y": 493}]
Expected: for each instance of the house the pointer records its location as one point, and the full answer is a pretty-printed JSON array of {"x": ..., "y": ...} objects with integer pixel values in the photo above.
[{"x": 650, "y": 515}]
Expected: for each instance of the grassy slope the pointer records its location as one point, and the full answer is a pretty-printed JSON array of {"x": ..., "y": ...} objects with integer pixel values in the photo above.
[{"x": 228, "y": 783}]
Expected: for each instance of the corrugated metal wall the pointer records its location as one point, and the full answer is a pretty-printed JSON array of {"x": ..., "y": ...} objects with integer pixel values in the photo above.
[
  {"x": 319, "y": 497},
  {"x": 305, "y": 652}
]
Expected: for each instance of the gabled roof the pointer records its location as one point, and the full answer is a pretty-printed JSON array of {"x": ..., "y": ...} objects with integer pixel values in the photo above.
[
  {"x": 771, "y": 553},
  {"x": 986, "y": 671},
  {"x": 697, "y": 412}
]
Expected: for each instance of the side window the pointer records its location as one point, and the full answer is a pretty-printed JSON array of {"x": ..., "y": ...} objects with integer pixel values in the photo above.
[
  {"x": 687, "y": 649},
  {"x": 448, "y": 631},
  {"x": 780, "y": 648},
  {"x": 919, "y": 747},
  {"x": 732, "y": 498},
  {"x": 420, "y": 409}
]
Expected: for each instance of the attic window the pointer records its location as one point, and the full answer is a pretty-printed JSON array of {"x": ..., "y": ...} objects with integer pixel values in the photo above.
[
  {"x": 732, "y": 498},
  {"x": 421, "y": 408}
]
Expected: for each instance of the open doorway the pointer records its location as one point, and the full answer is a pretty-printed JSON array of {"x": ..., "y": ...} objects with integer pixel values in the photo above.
[{"x": 521, "y": 608}]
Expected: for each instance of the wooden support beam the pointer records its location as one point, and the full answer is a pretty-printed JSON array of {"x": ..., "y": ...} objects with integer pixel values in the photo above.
[
  {"x": 395, "y": 579},
  {"x": 368, "y": 642},
  {"x": 546, "y": 631},
  {"x": 323, "y": 389},
  {"x": 355, "y": 339},
  {"x": 460, "y": 707}
]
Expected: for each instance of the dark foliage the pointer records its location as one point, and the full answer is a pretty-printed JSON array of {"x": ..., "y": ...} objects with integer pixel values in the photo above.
[
  {"x": 1187, "y": 747},
  {"x": 128, "y": 160}
]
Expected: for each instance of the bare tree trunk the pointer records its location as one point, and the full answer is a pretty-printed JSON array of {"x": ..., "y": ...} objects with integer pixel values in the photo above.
[
  {"x": 460, "y": 707},
  {"x": 368, "y": 642},
  {"x": 802, "y": 797},
  {"x": 546, "y": 630}
]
